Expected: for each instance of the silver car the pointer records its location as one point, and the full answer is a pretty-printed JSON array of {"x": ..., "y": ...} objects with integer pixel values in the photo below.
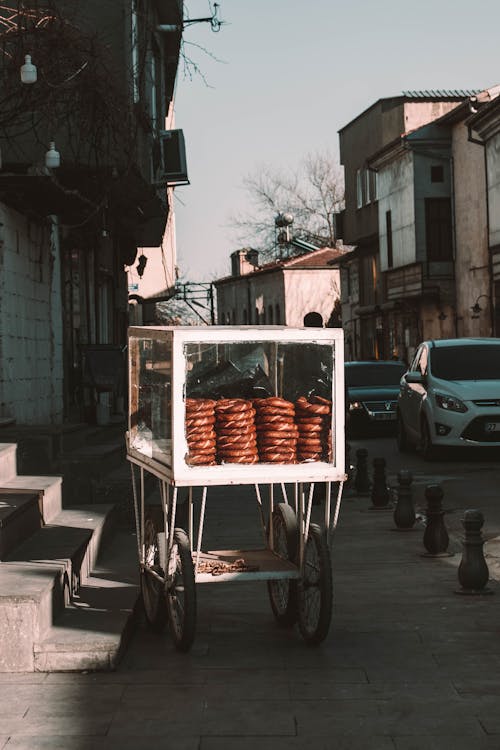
[{"x": 450, "y": 395}]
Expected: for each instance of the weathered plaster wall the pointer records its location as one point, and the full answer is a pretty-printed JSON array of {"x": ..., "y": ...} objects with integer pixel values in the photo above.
[
  {"x": 471, "y": 263},
  {"x": 310, "y": 291},
  {"x": 493, "y": 166},
  {"x": 396, "y": 194},
  {"x": 31, "y": 361}
]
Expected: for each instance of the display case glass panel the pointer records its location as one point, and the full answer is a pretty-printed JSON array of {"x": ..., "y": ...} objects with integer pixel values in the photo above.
[
  {"x": 151, "y": 398},
  {"x": 229, "y": 405}
]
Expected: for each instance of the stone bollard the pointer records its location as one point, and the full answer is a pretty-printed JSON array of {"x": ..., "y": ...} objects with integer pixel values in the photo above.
[
  {"x": 404, "y": 512},
  {"x": 380, "y": 490},
  {"x": 362, "y": 480},
  {"x": 473, "y": 573},
  {"x": 436, "y": 537}
]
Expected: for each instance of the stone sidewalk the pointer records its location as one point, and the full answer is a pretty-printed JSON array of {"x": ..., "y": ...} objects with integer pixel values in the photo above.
[{"x": 408, "y": 663}]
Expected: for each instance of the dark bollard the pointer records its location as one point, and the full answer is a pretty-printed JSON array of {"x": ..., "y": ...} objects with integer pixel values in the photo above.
[
  {"x": 362, "y": 480},
  {"x": 436, "y": 537},
  {"x": 380, "y": 490},
  {"x": 404, "y": 512},
  {"x": 473, "y": 573}
]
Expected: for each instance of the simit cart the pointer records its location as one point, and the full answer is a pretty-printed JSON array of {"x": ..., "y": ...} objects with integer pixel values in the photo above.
[{"x": 261, "y": 406}]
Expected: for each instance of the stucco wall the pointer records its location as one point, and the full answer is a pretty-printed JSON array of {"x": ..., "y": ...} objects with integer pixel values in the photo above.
[
  {"x": 310, "y": 291},
  {"x": 471, "y": 264},
  {"x": 296, "y": 293},
  {"x": 31, "y": 362},
  {"x": 396, "y": 194},
  {"x": 493, "y": 162},
  {"x": 253, "y": 294},
  {"x": 418, "y": 113}
]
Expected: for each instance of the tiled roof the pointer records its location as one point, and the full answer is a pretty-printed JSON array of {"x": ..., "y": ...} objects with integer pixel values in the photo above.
[
  {"x": 441, "y": 93},
  {"x": 318, "y": 258}
]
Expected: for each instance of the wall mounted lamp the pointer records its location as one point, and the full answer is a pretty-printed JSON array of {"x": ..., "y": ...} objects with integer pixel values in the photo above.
[
  {"x": 52, "y": 157},
  {"x": 476, "y": 307},
  {"x": 28, "y": 71},
  {"x": 141, "y": 265}
]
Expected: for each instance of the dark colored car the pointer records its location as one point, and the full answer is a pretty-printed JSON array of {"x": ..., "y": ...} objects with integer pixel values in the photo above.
[{"x": 372, "y": 392}]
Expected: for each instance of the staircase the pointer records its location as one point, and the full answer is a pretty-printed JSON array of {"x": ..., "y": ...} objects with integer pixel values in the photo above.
[{"x": 68, "y": 576}]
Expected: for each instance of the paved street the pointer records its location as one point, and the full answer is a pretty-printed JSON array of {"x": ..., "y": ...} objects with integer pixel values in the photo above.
[{"x": 408, "y": 663}]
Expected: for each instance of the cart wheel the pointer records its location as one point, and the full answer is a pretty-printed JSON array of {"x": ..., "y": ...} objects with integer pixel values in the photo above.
[
  {"x": 314, "y": 589},
  {"x": 181, "y": 592},
  {"x": 153, "y": 590},
  {"x": 283, "y": 592}
]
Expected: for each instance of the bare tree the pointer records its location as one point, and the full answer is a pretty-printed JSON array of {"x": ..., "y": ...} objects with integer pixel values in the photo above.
[{"x": 312, "y": 193}]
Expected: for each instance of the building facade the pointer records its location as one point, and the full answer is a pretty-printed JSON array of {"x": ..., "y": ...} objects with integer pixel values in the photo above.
[
  {"x": 417, "y": 223},
  {"x": 79, "y": 193},
  {"x": 282, "y": 292}
]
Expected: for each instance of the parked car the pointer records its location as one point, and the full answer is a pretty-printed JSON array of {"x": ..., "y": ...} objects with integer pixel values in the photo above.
[
  {"x": 372, "y": 391},
  {"x": 450, "y": 395}
]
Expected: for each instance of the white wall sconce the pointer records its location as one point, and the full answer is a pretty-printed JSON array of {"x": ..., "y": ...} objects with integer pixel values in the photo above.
[
  {"x": 28, "y": 71},
  {"x": 52, "y": 157}
]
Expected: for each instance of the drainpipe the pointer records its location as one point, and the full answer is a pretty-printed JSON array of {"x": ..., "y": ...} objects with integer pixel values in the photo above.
[{"x": 481, "y": 142}]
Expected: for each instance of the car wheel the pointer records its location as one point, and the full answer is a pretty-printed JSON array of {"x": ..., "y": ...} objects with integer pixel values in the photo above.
[
  {"x": 427, "y": 447},
  {"x": 401, "y": 435}
]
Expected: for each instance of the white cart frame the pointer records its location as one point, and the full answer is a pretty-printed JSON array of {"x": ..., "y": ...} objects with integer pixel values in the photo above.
[{"x": 290, "y": 492}]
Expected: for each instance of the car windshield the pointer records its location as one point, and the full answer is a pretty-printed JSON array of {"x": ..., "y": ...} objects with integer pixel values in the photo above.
[
  {"x": 357, "y": 376},
  {"x": 472, "y": 362}
]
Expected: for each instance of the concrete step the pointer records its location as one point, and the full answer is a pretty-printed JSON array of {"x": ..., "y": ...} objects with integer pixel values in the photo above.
[
  {"x": 90, "y": 634},
  {"x": 41, "y": 575},
  {"x": 49, "y": 491},
  {"x": 20, "y": 517}
]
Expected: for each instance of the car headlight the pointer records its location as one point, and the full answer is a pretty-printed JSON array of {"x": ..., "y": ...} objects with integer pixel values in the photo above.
[
  {"x": 355, "y": 405},
  {"x": 450, "y": 403}
]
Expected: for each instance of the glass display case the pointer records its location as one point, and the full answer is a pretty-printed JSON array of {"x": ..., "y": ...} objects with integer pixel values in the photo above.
[{"x": 237, "y": 405}]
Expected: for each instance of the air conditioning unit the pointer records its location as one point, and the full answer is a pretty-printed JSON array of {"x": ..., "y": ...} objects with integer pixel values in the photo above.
[{"x": 172, "y": 168}]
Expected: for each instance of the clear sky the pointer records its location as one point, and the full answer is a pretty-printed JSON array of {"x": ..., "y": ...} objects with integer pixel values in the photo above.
[{"x": 288, "y": 75}]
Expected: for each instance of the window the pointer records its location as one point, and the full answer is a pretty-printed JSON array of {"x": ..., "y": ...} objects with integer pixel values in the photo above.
[
  {"x": 359, "y": 188},
  {"x": 437, "y": 173},
  {"x": 438, "y": 229},
  {"x": 245, "y": 316},
  {"x": 270, "y": 315},
  {"x": 368, "y": 191},
  {"x": 278, "y": 315},
  {"x": 388, "y": 227}
]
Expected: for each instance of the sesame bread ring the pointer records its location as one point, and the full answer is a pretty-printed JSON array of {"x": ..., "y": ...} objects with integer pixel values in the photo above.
[
  {"x": 310, "y": 429},
  {"x": 203, "y": 432},
  {"x": 280, "y": 434},
  {"x": 242, "y": 446},
  {"x": 278, "y": 458},
  {"x": 303, "y": 405},
  {"x": 321, "y": 400},
  {"x": 281, "y": 451},
  {"x": 200, "y": 421},
  {"x": 240, "y": 459},
  {"x": 232, "y": 424},
  {"x": 302, "y": 419},
  {"x": 232, "y": 404},
  {"x": 272, "y": 401},
  {"x": 200, "y": 403},
  {"x": 195, "y": 445},
  {"x": 261, "y": 410},
  {"x": 236, "y": 417},
  {"x": 201, "y": 460}
]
